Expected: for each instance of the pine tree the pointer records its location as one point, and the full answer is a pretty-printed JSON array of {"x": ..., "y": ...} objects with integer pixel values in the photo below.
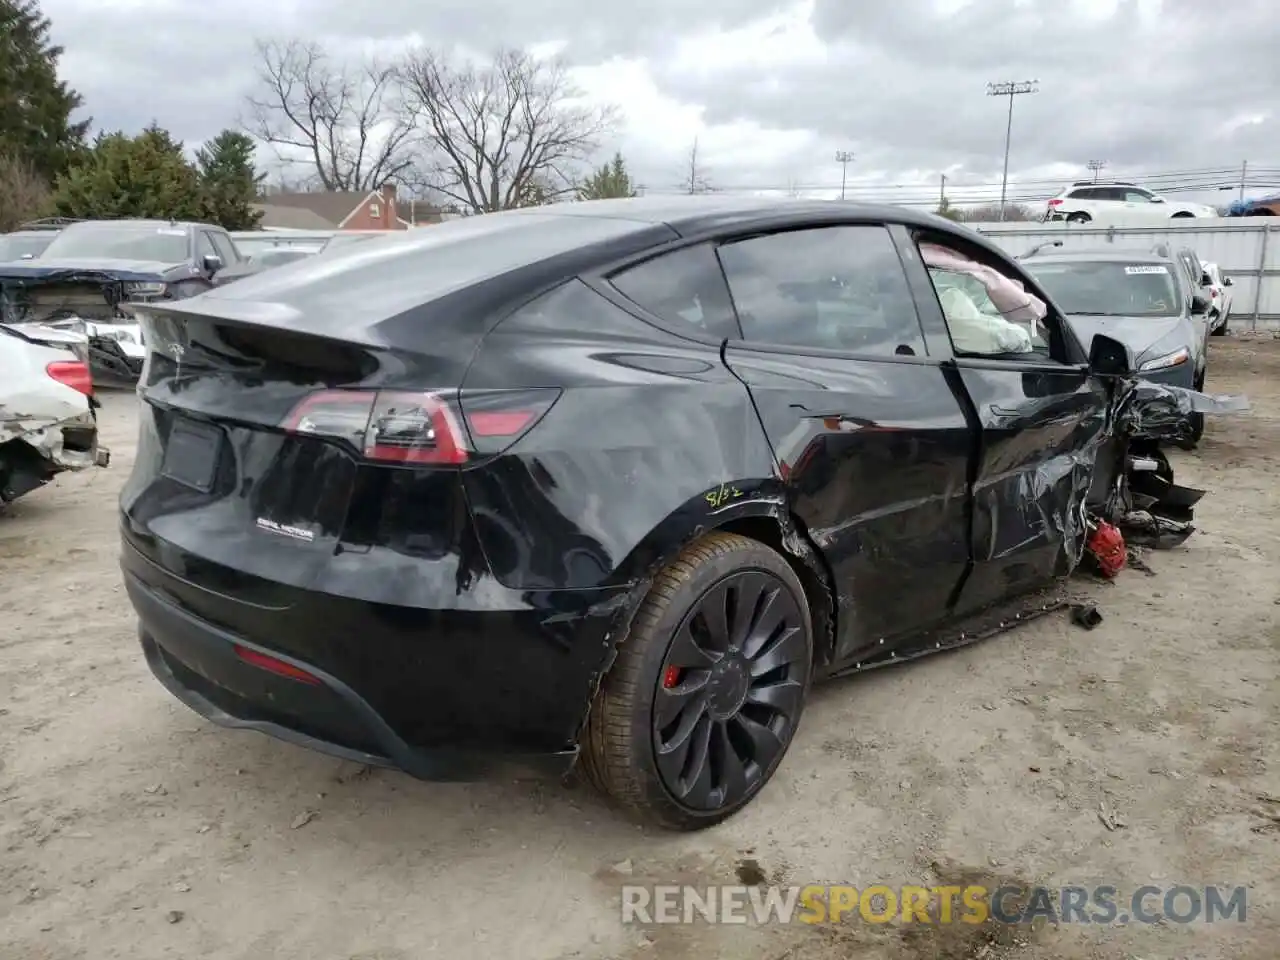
[
  {"x": 228, "y": 181},
  {"x": 35, "y": 106},
  {"x": 610, "y": 180},
  {"x": 143, "y": 176}
]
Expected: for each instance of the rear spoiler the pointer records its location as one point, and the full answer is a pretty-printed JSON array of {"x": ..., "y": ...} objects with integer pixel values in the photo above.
[{"x": 268, "y": 315}]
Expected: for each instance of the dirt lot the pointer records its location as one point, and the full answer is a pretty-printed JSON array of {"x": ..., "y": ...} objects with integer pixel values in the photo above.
[{"x": 119, "y": 806}]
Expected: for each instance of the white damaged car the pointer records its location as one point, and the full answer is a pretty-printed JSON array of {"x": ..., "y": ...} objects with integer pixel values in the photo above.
[{"x": 48, "y": 423}]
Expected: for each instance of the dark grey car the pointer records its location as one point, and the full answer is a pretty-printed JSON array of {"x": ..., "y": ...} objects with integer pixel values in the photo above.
[{"x": 1145, "y": 300}]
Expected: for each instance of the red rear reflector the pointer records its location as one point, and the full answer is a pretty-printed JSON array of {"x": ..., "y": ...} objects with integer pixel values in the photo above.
[
  {"x": 500, "y": 423},
  {"x": 73, "y": 373},
  {"x": 273, "y": 665}
]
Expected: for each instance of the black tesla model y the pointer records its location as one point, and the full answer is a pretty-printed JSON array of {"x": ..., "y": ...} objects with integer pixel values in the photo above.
[{"x": 606, "y": 484}]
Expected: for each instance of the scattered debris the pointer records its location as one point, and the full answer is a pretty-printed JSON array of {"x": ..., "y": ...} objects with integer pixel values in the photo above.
[
  {"x": 750, "y": 873},
  {"x": 1268, "y": 798},
  {"x": 155, "y": 789},
  {"x": 204, "y": 828},
  {"x": 1034, "y": 769},
  {"x": 182, "y": 888},
  {"x": 302, "y": 819},
  {"x": 1106, "y": 548},
  {"x": 1137, "y": 561},
  {"x": 1110, "y": 819},
  {"x": 174, "y": 916},
  {"x": 1085, "y": 615}
]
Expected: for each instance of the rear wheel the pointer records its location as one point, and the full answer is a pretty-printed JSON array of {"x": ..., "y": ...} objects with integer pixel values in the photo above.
[
  {"x": 708, "y": 687},
  {"x": 1221, "y": 329},
  {"x": 1078, "y": 218},
  {"x": 1182, "y": 215}
]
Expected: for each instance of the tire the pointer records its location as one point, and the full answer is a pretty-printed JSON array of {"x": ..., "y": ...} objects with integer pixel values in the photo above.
[
  {"x": 1079, "y": 218},
  {"x": 623, "y": 736},
  {"x": 1195, "y": 421},
  {"x": 1220, "y": 331}
]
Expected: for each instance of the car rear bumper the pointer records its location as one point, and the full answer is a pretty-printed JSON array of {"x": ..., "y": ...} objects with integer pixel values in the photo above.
[
  {"x": 445, "y": 681},
  {"x": 199, "y": 663}
]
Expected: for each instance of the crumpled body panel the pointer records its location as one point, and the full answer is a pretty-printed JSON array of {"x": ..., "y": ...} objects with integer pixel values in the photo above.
[
  {"x": 1156, "y": 411},
  {"x": 1133, "y": 482}
]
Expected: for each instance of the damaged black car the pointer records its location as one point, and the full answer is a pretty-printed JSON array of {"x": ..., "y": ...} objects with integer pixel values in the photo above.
[
  {"x": 611, "y": 484},
  {"x": 93, "y": 271}
]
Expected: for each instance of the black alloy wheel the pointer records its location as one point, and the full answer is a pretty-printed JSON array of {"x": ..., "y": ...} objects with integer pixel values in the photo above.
[
  {"x": 707, "y": 690},
  {"x": 730, "y": 690}
]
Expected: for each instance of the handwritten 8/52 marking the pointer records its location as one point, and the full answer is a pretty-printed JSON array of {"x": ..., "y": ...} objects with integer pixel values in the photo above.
[{"x": 722, "y": 495}]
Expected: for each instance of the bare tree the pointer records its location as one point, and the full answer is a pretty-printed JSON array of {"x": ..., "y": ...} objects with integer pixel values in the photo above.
[
  {"x": 502, "y": 134},
  {"x": 345, "y": 120},
  {"x": 23, "y": 194},
  {"x": 695, "y": 179}
]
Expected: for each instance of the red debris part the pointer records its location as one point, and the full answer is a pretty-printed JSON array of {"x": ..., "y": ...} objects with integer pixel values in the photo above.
[{"x": 1106, "y": 544}]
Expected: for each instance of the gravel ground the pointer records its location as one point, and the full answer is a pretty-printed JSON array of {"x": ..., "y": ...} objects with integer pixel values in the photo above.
[{"x": 131, "y": 828}]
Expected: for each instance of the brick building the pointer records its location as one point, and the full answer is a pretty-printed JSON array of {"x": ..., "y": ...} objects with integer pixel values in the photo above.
[{"x": 345, "y": 210}]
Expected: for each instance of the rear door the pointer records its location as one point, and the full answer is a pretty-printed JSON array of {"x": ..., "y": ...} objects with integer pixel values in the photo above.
[
  {"x": 1039, "y": 415},
  {"x": 868, "y": 434}
]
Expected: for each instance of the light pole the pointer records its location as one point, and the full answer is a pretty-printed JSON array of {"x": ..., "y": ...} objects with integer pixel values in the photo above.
[
  {"x": 1010, "y": 89},
  {"x": 1096, "y": 166},
  {"x": 844, "y": 158}
]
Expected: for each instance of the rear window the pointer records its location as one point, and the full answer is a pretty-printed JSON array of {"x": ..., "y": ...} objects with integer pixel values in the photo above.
[{"x": 686, "y": 287}]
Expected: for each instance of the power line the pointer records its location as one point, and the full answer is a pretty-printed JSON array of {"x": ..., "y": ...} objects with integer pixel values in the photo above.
[
  {"x": 1010, "y": 89},
  {"x": 1096, "y": 166},
  {"x": 1174, "y": 181}
]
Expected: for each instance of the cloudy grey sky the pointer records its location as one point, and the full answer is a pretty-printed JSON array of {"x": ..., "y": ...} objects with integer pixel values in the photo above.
[{"x": 773, "y": 89}]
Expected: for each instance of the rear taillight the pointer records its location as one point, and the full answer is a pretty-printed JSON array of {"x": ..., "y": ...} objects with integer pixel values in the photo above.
[
  {"x": 73, "y": 373},
  {"x": 1055, "y": 202},
  {"x": 421, "y": 428}
]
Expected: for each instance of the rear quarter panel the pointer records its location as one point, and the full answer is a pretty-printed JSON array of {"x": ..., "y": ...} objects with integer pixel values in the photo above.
[{"x": 652, "y": 439}]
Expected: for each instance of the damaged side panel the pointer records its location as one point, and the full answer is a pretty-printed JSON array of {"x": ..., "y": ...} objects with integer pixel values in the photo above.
[
  {"x": 874, "y": 455},
  {"x": 1038, "y": 429}
]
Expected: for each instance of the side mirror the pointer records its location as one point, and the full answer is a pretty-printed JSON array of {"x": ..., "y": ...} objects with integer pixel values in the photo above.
[
  {"x": 27, "y": 256},
  {"x": 1199, "y": 305},
  {"x": 1157, "y": 199},
  {"x": 212, "y": 264},
  {"x": 1108, "y": 357},
  {"x": 1228, "y": 282}
]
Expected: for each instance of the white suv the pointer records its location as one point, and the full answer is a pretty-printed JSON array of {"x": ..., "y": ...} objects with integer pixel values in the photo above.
[{"x": 1085, "y": 201}]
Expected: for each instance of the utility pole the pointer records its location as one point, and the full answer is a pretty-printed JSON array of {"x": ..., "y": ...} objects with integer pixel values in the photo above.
[
  {"x": 942, "y": 191},
  {"x": 1244, "y": 175},
  {"x": 1010, "y": 89},
  {"x": 844, "y": 158},
  {"x": 1096, "y": 166}
]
